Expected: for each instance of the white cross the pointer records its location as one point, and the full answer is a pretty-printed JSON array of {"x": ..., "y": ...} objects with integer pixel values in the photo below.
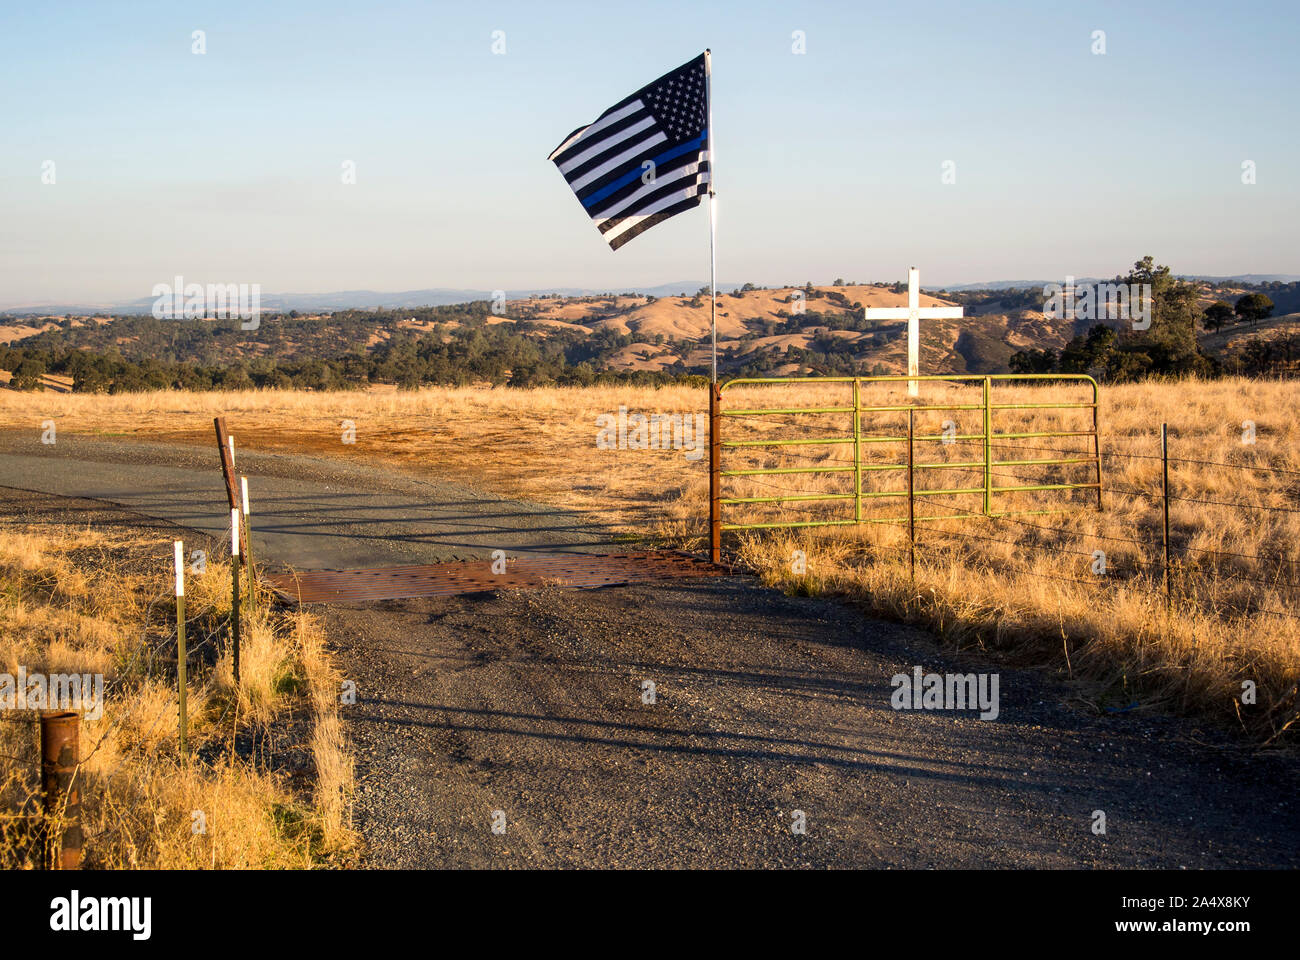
[{"x": 913, "y": 313}]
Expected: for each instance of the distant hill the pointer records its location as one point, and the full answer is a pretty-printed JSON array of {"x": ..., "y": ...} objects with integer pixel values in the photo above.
[
  {"x": 442, "y": 296},
  {"x": 550, "y": 337},
  {"x": 1275, "y": 340},
  {"x": 1250, "y": 278},
  {"x": 1039, "y": 284},
  {"x": 759, "y": 331}
]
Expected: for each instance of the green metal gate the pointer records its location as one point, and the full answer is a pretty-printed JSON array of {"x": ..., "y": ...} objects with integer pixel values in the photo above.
[{"x": 854, "y": 437}]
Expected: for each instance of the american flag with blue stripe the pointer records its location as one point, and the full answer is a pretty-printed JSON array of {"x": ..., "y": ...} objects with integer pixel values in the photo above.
[{"x": 646, "y": 158}]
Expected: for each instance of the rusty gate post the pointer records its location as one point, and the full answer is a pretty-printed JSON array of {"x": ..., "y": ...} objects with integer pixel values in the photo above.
[
  {"x": 60, "y": 736},
  {"x": 715, "y": 473}
]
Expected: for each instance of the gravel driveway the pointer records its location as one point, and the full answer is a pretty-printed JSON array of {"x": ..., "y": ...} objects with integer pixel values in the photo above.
[{"x": 532, "y": 704}]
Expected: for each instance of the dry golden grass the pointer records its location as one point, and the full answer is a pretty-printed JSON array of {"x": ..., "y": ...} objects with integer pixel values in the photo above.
[
  {"x": 90, "y": 602},
  {"x": 1021, "y": 585}
]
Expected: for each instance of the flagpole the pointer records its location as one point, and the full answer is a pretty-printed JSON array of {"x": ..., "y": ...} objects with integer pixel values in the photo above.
[{"x": 713, "y": 261}]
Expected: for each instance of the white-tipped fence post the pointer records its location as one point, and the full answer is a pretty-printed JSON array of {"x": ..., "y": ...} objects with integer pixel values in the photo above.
[
  {"x": 248, "y": 546},
  {"x": 180, "y": 645},
  {"x": 234, "y": 589}
]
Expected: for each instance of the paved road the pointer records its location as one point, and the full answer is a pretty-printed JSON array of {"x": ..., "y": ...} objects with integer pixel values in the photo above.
[
  {"x": 532, "y": 704},
  {"x": 308, "y": 512}
]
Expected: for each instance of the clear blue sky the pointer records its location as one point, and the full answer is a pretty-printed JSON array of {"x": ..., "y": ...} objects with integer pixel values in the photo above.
[{"x": 226, "y": 167}]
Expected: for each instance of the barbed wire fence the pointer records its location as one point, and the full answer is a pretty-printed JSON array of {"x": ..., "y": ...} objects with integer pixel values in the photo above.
[
  {"x": 1165, "y": 559},
  {"x": 151, "y": 655}
]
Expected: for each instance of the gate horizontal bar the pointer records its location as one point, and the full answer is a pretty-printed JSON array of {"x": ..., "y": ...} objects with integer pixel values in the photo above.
[
  {"x": 1043, "y": 433},
  {"x": 872, "y": 468},
  {"x": 819, "y": 496},
  {"x": 1040, "y": 406},
  {"x": 866, "y": 520},
  {"x": 1046, "y": 486},
  {"x": 783, "y": 443},
  {"x": 1028, "y": 463},
  {"x": 772, "y": 471},
  {"x": 793, "y": 443},
  {"x": 903, "y": 378},
  {"x": 898, "y": 407},
  {"x": 755, "y": 413}
]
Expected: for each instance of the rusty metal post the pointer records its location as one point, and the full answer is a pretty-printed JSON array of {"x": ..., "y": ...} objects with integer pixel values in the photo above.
[
  {"x": 227, "y": 460},
  {"x": 60, "y": 739},
  {"x": 911, "y": 500},
  {"x": 715, "y": 473}
]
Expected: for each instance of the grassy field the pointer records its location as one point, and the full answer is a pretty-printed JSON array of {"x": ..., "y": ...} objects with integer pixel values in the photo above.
[
  {"x": 1022, "y": 587},
  {"x": 269, "y": 778}
]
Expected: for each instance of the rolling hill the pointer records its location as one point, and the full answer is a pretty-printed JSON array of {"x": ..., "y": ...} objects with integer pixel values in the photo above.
[{"x": 761, "y": 331}]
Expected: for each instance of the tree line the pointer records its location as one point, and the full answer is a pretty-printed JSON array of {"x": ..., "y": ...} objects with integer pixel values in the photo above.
[
  {"x": 493, "y": 355},
  {"x": 1169, "y": 347}
]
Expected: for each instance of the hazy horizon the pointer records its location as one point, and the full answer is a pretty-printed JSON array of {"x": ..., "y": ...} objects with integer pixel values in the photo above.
[{"x": 274, "y": 300}]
